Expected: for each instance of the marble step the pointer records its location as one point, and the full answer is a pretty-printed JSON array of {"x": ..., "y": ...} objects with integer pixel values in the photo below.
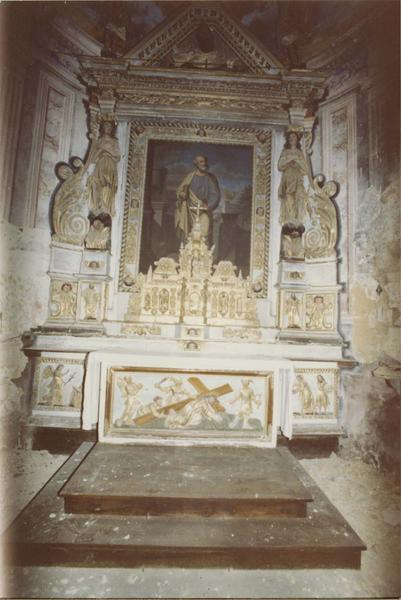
[
  {"x": 44, "y": 535},
  {"x": 196, "y": 481}
]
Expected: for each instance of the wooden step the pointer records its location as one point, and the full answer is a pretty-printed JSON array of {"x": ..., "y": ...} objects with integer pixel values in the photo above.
[
  {"x": 170, "y": 480},
  {"x": 44, "y": 534}
]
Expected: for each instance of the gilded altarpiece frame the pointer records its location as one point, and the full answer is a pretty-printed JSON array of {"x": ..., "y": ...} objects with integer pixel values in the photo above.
[{"x": 141, "y": 133}]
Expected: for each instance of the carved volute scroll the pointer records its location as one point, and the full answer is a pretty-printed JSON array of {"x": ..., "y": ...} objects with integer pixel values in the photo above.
[
  {"x": 86, "y": 188},
  {"x": 70, "y": 208}
]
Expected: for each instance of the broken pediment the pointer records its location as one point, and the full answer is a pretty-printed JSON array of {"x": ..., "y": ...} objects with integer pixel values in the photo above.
[{"x": 203, "y": 37}]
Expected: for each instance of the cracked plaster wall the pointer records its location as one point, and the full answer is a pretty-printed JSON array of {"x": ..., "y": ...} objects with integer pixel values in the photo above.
[
  {"x": 24, "y": 287},
  {"x": 371, "y": 392},
  {"x": 25, "y": 253}
]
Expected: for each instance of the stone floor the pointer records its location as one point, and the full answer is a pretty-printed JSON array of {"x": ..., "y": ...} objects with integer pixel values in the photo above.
[{"x": 369, "y": 500}]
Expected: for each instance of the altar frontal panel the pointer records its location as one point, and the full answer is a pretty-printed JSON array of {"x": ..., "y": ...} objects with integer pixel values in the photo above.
[{"x": 186, "y": 404}]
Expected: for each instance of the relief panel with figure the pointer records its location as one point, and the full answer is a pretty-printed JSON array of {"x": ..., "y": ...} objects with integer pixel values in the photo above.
[
  {"x": 211, "y": 404},
  {"x": 315, "y": 393}
]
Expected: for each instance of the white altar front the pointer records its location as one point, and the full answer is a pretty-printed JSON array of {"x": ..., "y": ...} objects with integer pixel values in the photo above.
[{"x": 271, "y": 395}]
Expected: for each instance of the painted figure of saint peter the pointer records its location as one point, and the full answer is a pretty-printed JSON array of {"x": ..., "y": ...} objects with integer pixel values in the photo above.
[{"x": 198, "y": 193}]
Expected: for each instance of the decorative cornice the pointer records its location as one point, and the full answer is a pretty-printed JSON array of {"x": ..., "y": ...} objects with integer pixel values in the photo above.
[{"x": 172, "y": 88}]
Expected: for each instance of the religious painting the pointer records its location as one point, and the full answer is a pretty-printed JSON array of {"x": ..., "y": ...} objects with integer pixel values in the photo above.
[
  {"x": 188, "y": 180},
  {"x": 314, "y": 394},
  {"x": 187, "y": 403}
]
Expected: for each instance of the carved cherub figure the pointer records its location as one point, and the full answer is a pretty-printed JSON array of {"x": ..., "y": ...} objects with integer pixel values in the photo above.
[
  {"x": 65, "y": 300},
  {"x": 320, "y": 314},
  {"x": 98, "y": 236}
]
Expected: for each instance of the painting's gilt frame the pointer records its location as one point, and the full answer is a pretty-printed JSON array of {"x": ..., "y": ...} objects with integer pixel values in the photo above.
[{"x": 140, "y": 134}]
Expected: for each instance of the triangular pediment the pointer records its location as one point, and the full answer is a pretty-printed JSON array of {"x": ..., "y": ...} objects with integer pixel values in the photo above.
[{"x": 203, "y": 37}]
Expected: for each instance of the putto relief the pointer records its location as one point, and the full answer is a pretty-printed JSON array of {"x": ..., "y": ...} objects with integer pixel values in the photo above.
[
  {"x": 320, "y": 312},
  {"x": 98, "y": 236},
  {"x": 63, "y": 299}
]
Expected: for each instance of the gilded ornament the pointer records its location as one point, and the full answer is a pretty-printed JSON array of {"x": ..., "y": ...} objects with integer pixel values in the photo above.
[
  {"x": 131, "y": 242},
  {"x": 98, "y": 236},
  {"x": 320, "y": 312},
  {"x": 54, "y": 395},
  {"x": 225, "y": 134},
  {"x": 294, "y": 209},
  {"x": 63, "y": 299},
  {"x": 293, "y": 310},
  {"x": 104, "y": 155},
  {"x": 70, "y": 208},
  {"x": 193, "y": 288},
  {"x": 242, "y": 333},
  {"x": 91, "y": 298},
  {"x": 321, "y": 237}
]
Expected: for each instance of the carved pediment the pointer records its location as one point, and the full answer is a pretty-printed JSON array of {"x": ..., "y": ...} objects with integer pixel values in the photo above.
[{"x": 203, "y": 37}]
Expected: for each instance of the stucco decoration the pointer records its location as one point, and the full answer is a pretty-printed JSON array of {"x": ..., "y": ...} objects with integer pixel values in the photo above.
[
  {"x": 307, "y": 212},
  {"x": 87, "y": 187},
  {"x": 70, "y": 209},
  {"x": 321, "y": 236}
]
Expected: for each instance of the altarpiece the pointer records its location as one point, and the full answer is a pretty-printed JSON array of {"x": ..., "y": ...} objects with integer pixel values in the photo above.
[{"x": 172, "y": 319}]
